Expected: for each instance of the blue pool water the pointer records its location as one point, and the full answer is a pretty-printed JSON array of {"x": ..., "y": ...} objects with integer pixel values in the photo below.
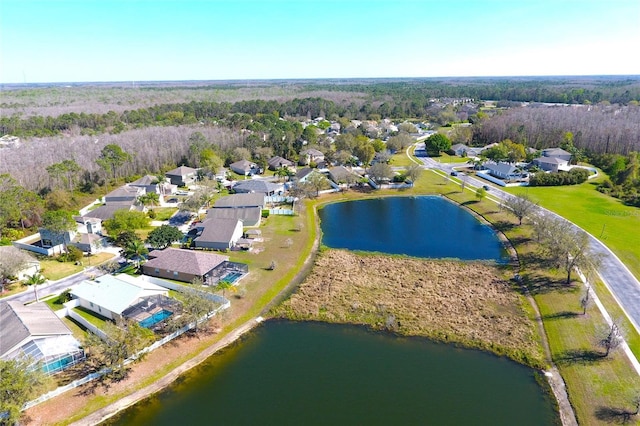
[
  {"x": 232, "y": 277},
  {"x": 155, "y": 318}
]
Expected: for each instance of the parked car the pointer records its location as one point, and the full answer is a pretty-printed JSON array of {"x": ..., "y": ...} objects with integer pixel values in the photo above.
[
  {"x": 486, "y": 187},
  {"x": 454, "y": 173}
]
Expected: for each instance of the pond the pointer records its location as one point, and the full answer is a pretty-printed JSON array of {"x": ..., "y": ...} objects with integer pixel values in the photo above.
[
  {"x": 429, "y": 226},
  {"x": 320, "y": 374}
]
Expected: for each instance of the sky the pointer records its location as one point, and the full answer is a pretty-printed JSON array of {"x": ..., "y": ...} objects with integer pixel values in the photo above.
[{"x": 159, "y": 40}]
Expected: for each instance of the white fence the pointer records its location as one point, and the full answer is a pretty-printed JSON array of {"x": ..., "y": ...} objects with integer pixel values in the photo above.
[
  {"x": 93, "y": 376},
  {"x": 283, "y": 212},
  {"x": 279, "y": 199}
]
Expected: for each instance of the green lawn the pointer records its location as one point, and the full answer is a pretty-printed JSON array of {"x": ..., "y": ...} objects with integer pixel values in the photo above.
[
  {"x": 164, "y": 213},
  {"x": 604, "y": 217},
  {"x": 54, "y": 270},
  {"x": 446, "y": 158},
  {"x": 92, "y": 317}
]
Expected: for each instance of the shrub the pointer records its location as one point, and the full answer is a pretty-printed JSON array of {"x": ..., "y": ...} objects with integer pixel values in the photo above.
[{"x": 573, "y": 177}]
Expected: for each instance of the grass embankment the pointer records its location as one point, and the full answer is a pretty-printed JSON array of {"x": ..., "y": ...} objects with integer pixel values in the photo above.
[
  {"x": 605, "y": 217},
  {"x": 454, "y": 302},
  {"x": 287, "y": 240},
  {"x": 600, "y": 388}
]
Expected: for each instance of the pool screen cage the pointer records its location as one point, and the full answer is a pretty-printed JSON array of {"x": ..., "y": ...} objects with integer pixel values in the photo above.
[
  {"x": 225, "y": 268},
  {"x": 51, "y": 354},
  {"x": 148, "y": 306}
]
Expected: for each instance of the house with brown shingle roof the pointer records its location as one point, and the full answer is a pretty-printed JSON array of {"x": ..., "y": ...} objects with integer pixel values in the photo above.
[{"x": 182, "y": 265}]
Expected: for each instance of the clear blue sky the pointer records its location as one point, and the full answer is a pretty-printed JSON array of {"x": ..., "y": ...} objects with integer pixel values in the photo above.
[{"x": 109, "y": 40}]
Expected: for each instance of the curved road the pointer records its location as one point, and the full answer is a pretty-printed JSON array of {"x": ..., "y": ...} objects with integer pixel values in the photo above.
[{"x": 615, "y": 274}]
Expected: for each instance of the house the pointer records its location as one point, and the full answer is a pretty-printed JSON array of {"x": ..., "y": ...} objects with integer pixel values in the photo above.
[
  {"x": 89, "y": 243},
  {"x": 502, "y": 170},
  {"x": 151, "y": 184},
  {"x": 182, "y": 176},
  {"x": 107, "y": 211},
  {"x": 341, "y": 174},
  {"x": 125, "y": 194},
  {"x": 255, "y": 199},
  {"x": 182, "y": 265},
  {"x": 36, "y": 332},
  {"x": 303, "y": 174},
  {"x": 460, "y": 149},
  {"x": 557, "y": 153},
  {"x": 258, "y": 186},
  {"x": 311, "y": 155},
  {"x": 245, "y": 168},
  {"x": 49, "y": 238},
  {"x": 552, "y": 164},
  {"x": 110, "y": 295},
  {"x": 250, "y": 216},
  {"x": 277, "y": 162},
  {"x": 219, "y": 234},
  {"x": 29, "y": 265}
]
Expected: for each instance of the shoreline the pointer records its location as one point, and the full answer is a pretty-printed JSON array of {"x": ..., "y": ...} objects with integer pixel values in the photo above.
[{"x": 556, "y": 384}]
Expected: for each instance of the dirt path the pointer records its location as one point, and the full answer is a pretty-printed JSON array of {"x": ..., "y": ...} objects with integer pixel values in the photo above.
[{"x": 109, "y": 411}]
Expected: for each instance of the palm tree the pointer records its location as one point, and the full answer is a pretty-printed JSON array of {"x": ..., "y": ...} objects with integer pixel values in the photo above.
[
  {"x": 224, "y": 286},
  {"x": 135, "y": 249},
  {"x": 35, "y": 280}
]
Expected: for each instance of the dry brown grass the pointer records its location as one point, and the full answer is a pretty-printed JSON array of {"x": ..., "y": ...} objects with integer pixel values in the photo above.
[{"x": 459, "y": 302}]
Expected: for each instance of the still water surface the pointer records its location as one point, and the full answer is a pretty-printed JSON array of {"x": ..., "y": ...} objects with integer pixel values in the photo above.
[
  {"x": 415, "y": 226},
  {"x": 287, "y": 373}
]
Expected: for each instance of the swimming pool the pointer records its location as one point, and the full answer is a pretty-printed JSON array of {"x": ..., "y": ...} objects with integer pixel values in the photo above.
[
  {"x": 232, "y": 277},
  {"x": 155, "y": 318}
]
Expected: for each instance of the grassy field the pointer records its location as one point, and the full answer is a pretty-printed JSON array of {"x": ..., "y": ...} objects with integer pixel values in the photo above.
[
  {"x": 604, "y": 217},
  {"x": 598, "y": 387},
  {"x": 426, "y": 299}
]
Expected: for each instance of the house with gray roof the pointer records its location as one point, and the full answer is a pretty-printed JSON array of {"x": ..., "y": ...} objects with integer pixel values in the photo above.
[
  {"x": 245, "y": 167},
  {"x": 311, "y": 155},
  {"x": 34, "y": 331},
  {"x": 502, "y": 170},
  {"x": 219, "y": 234},
  {"x": 241, "y": 200},
  {"x": 107, "y": 211},
  {"x": 250, "y": 216},
  {"x": 258, "y": 186},
  {"x": 341, "y": 174},
  {"x": 182, "y": 265},
  {"x": 460, "y": 149},
  {"x": 552, "y": 164},
  {"x": 182, "y": 176},
  {"x": 151, "y": 183},
  {"x": 124, "y": 194},
  {"x": 110, "y": 295},
  {"x": 557, "y": 153},
  {"x": 276, "y": 162}
]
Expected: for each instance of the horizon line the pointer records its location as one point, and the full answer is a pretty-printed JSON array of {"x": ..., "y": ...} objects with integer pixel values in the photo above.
[{"x": 307, "y": 79}]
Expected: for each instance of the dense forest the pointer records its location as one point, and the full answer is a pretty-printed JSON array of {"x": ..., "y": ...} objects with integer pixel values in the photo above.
[{"x": 65, "y": 131}]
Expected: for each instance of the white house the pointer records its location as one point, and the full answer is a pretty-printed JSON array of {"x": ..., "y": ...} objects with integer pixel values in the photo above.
[
  {"x": 109, "y": 295},
  {"x": 552, "y": 164}
]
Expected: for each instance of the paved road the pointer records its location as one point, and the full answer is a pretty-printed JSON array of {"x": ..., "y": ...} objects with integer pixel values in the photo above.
[
  {"x": 622, "y": 283},
  {"x": 54, "y": 287}
]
